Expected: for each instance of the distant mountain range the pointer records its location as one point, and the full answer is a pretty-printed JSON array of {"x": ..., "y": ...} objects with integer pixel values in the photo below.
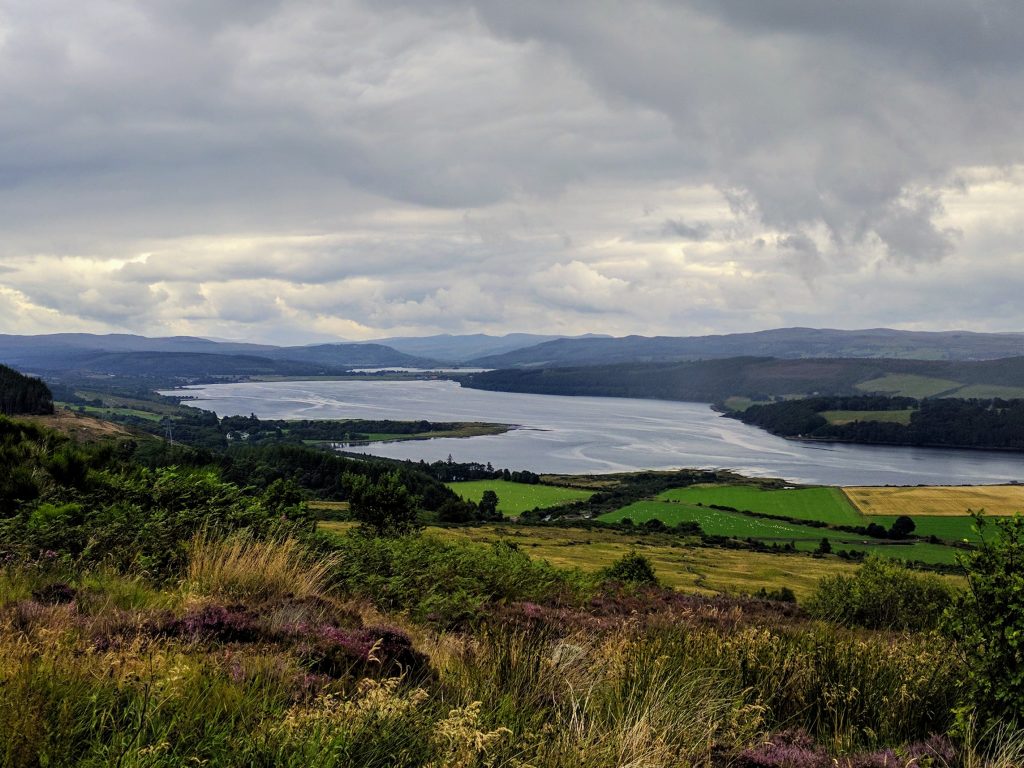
[
  {"x": 123, "y": 354},
  {"x": 196, "y": 358},
  {"x": 461, "y": 349},
  {"x": 781, "y": 343},
  {"x": 763, "y": 378}
]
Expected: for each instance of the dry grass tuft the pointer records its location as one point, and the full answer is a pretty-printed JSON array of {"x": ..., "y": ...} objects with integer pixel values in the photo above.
[
  {"x": 244, "y": 568},
  {"x": 1001, "y": 747}
]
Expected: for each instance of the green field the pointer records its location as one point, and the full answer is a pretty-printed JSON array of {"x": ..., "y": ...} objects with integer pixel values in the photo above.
[
  {"x": 516, "y": 498},
  {"x": 848, "y": 417},
  {"x": 103, "y": 413},
  {"x": 908, "y": 385},
  {"x": 945, "y": 527},
  {"x": 716, "y": 522},
  {"x": 829, "y": 505},
  {"x": 983, "y": 391}
]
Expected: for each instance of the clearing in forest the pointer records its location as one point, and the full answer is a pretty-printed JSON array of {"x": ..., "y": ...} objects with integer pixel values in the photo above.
[
  {"x": 908, "y": 385},
  {"x": 848, "y": 417}
]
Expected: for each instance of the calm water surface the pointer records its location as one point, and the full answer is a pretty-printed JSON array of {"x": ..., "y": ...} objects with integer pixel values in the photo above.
[{"x": 598, "y": 434}]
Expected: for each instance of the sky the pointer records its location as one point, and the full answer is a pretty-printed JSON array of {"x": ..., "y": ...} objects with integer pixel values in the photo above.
[{"x": 309, "y": 170}]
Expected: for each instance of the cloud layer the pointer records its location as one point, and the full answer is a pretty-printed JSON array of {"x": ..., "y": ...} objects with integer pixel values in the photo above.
[{"x": 304, "y": 170}]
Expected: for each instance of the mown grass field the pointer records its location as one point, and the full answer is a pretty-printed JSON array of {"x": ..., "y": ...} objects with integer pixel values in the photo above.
[
  {"x": 516, "y": 498},
  {"x": 848, "y": 417},
  {"x": 829, "y": 505},
  {"x": 937, "y": 500},
  {"x": 909, "y": 385}
]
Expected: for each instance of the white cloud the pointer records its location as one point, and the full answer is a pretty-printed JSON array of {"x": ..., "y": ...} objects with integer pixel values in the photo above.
[{"x": 303, "y": 170}]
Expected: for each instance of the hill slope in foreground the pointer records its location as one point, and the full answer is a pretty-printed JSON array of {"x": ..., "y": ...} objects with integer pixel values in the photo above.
[{"x": 161, "y": 607}]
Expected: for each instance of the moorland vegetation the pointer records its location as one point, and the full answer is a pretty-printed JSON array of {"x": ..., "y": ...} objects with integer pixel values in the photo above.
[{"x": 160, "y": 608}]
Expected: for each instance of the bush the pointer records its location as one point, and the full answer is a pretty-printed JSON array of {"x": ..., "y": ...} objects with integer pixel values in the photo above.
[
  {"x": 988, "y": 620},
  {"x": 779, "y": 595},
  {"x": 882, "y": 595},
  {"x": 447, "y": 584},
  {"x": 631, "y": 568}
]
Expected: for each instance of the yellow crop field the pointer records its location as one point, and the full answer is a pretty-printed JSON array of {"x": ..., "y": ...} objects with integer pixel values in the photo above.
[{"x": 943, "y": 500}]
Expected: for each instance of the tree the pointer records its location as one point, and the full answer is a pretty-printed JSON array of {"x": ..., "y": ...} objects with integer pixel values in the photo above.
[
  {"x": 825, "y": 547},
  {"x": 902, "y": 527},
  {"x": 456, "y": 511},
  {"x": 383, "y": 507},
  {"x": 988, "y": 620},
  {"x": 488, "y": 504}
]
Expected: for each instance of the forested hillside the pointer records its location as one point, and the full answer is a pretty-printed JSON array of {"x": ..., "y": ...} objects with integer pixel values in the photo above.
[
  {"x": 946, "y": 422},
  {"x": 778, "y": 342},
  {"x": 23, "y": 394},
  {"x": 757, "y": 378}
]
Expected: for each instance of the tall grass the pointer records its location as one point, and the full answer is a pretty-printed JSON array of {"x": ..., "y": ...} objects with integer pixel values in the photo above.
[
  {"x": 1002, "y": 747},
  {"x": 645, "y": 707},
  {"x": 242, "y": 567}
]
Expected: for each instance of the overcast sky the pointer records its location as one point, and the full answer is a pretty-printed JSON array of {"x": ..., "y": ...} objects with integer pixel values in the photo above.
[{"x": 322, "y": 169}]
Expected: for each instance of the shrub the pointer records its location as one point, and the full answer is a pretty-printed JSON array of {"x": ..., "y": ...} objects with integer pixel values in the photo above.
[
  {"x": 631, "y": 568},
  {"x": 882, "y": 595}
]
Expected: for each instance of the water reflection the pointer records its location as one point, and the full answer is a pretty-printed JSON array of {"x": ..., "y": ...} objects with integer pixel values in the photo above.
[{"x": 597, "y": 434}]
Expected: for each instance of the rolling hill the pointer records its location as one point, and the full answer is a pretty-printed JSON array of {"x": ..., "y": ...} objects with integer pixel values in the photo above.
[
  {"x": 88, "y": 352},
  {"x": 760, "y": 378},
  {"x": 790, "y": 343}
]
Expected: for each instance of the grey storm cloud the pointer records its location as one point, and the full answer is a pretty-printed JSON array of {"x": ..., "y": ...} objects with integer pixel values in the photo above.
[
  {"x": 275, "y": 168},
  {"x": 686, "y": 231}
]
